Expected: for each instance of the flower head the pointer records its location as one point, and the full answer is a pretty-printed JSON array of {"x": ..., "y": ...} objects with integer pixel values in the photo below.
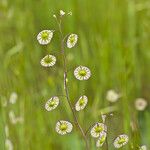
[
  {"x": 121, "y": 140},
  {"x": 48, "y": 61},
  {"x": 62, "y": 13},
  {"x": 140, "y": 104},
  {"x": 81, "y": 103},
  {"x": 143, "y": 147},
  {"x": 52, "y": 103},
  {"x": 72, "y": 40},
  {"x": 8, "y": 144},
  {"x": 63, "y": 127},
  {"x": 97, "y": 129},
  {"x": 101, "y": 139},
  {"x": 44, "y": 37},
  {"x": 112, "y": 96},
  {"x": 13, "y": 98},
  {"x": 82, "y": 73}
]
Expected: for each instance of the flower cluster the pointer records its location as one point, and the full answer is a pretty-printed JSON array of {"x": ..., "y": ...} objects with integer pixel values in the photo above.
[
  {"x": 99, "y": 130},
  {"x": 81, "y": 73}
]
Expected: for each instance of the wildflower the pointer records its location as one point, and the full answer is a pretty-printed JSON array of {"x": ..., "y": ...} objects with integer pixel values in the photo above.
[
  {"x": 140, "y": 104},
  {"x": 54, "y": 16},
  {"x": 143, "y": 147},
  {"x": 8, "y": 144},
  {"x": 97, "y": 129},
  {"x": 63, "y": 127},
  {"x": 12, "y": 117},
  {"x": 81, "y": 103},
  {"x": 112, "y": 96},
  {"x": 62, "y": 13},
  {"x": 44, "y": 37},
  {"x": 48, "y": 61},
  {"x": 6, "y": 131},
  {"x": 101, "y": 139},
  {"x": 121, "y": 140},
  {"x": 13, "y": 98},
  {"x": 72, "y": 40},
  {"x": 82, "y": 73},
  {"x": 52, "y": 103}
]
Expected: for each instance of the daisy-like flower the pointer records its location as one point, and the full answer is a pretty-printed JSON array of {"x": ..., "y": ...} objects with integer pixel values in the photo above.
[
  {"x": 82, "y": 73},
  {"x": 52, "y": 103},
  {"x": 112, "y": 96},
  {"x": 8, "y": 144},
  {"x": 12, "y": 117},
  {"x": 13, "y": 98},
  {"x": 140, "y": 104},
  {"x": 62, "y": 13},
  {"x": 45, "y": 36},
  {"x": 81, "y": 103},
  {"x": 101, "y": 139},
  {"x": 97, "y": 129},
  {"x": 63, "y": 127},
  {"x": 143, "y": 147},
  {"x": 72, "y": 40},
  {"x": 6, "y": 131},
  {"x": 121, "y": 140},
  {"x": 48, "y": 61}
]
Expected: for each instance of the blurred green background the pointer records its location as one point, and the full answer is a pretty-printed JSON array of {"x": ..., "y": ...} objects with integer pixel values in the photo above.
[{"x": 114, "y": 42}]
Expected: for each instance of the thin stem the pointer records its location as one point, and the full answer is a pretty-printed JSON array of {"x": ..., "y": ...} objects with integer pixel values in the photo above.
[{"x": 66, "y": 87}]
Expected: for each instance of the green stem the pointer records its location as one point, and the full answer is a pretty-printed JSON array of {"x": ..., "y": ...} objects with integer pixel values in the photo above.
[{"x": 66, "y": 88}]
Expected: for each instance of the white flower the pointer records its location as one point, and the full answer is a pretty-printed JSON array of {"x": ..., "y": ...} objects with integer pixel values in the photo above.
[
  {"x": 8, "y": 144},
  {"x": 97, "y": 129},
  {"x": 143, "y": 147},
  {"x": 48, "y": 61},
  {"x": 121, "y": 140},
  {"x": 140, "y": 104},
  {"x": 12, "y": 117},
  {"x": 112, "y": 96},
  {"x": 52, "y": 103},
  {"x": 101, "y": 139},
  {"x": 62, "y": 13},
  {"x": 72, "y": 40},
  {"x": 6, "y": 131},
  {"x": 81, "y": 103},
  {"x": 82, "y": 73},
  {"x": 54, "y": 16},
  {"x": 63, "y": 127},
  {"x": 44, "y": 37},
  {"x": 13, "y": 98}
]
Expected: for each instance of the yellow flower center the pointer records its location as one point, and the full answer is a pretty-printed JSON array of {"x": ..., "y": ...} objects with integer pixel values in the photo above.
[
  {"x": 44, "y": 35},
  {"x": 48, "y": 60},
  {"x": 121, "y": 141},
  {"x": 63, "y": 127},
  {"x": 72, "y": 39},
  {"x": 52, "y": 103},
  {"x": 102, "y": 140},
  {"x": 82, "y": 72},
  {"x": 81, "y": 102},
  {"x": 98, "y": 129}
]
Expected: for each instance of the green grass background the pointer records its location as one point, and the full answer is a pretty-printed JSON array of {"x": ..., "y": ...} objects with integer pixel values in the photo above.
[{"x": 114, "y": 42}]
